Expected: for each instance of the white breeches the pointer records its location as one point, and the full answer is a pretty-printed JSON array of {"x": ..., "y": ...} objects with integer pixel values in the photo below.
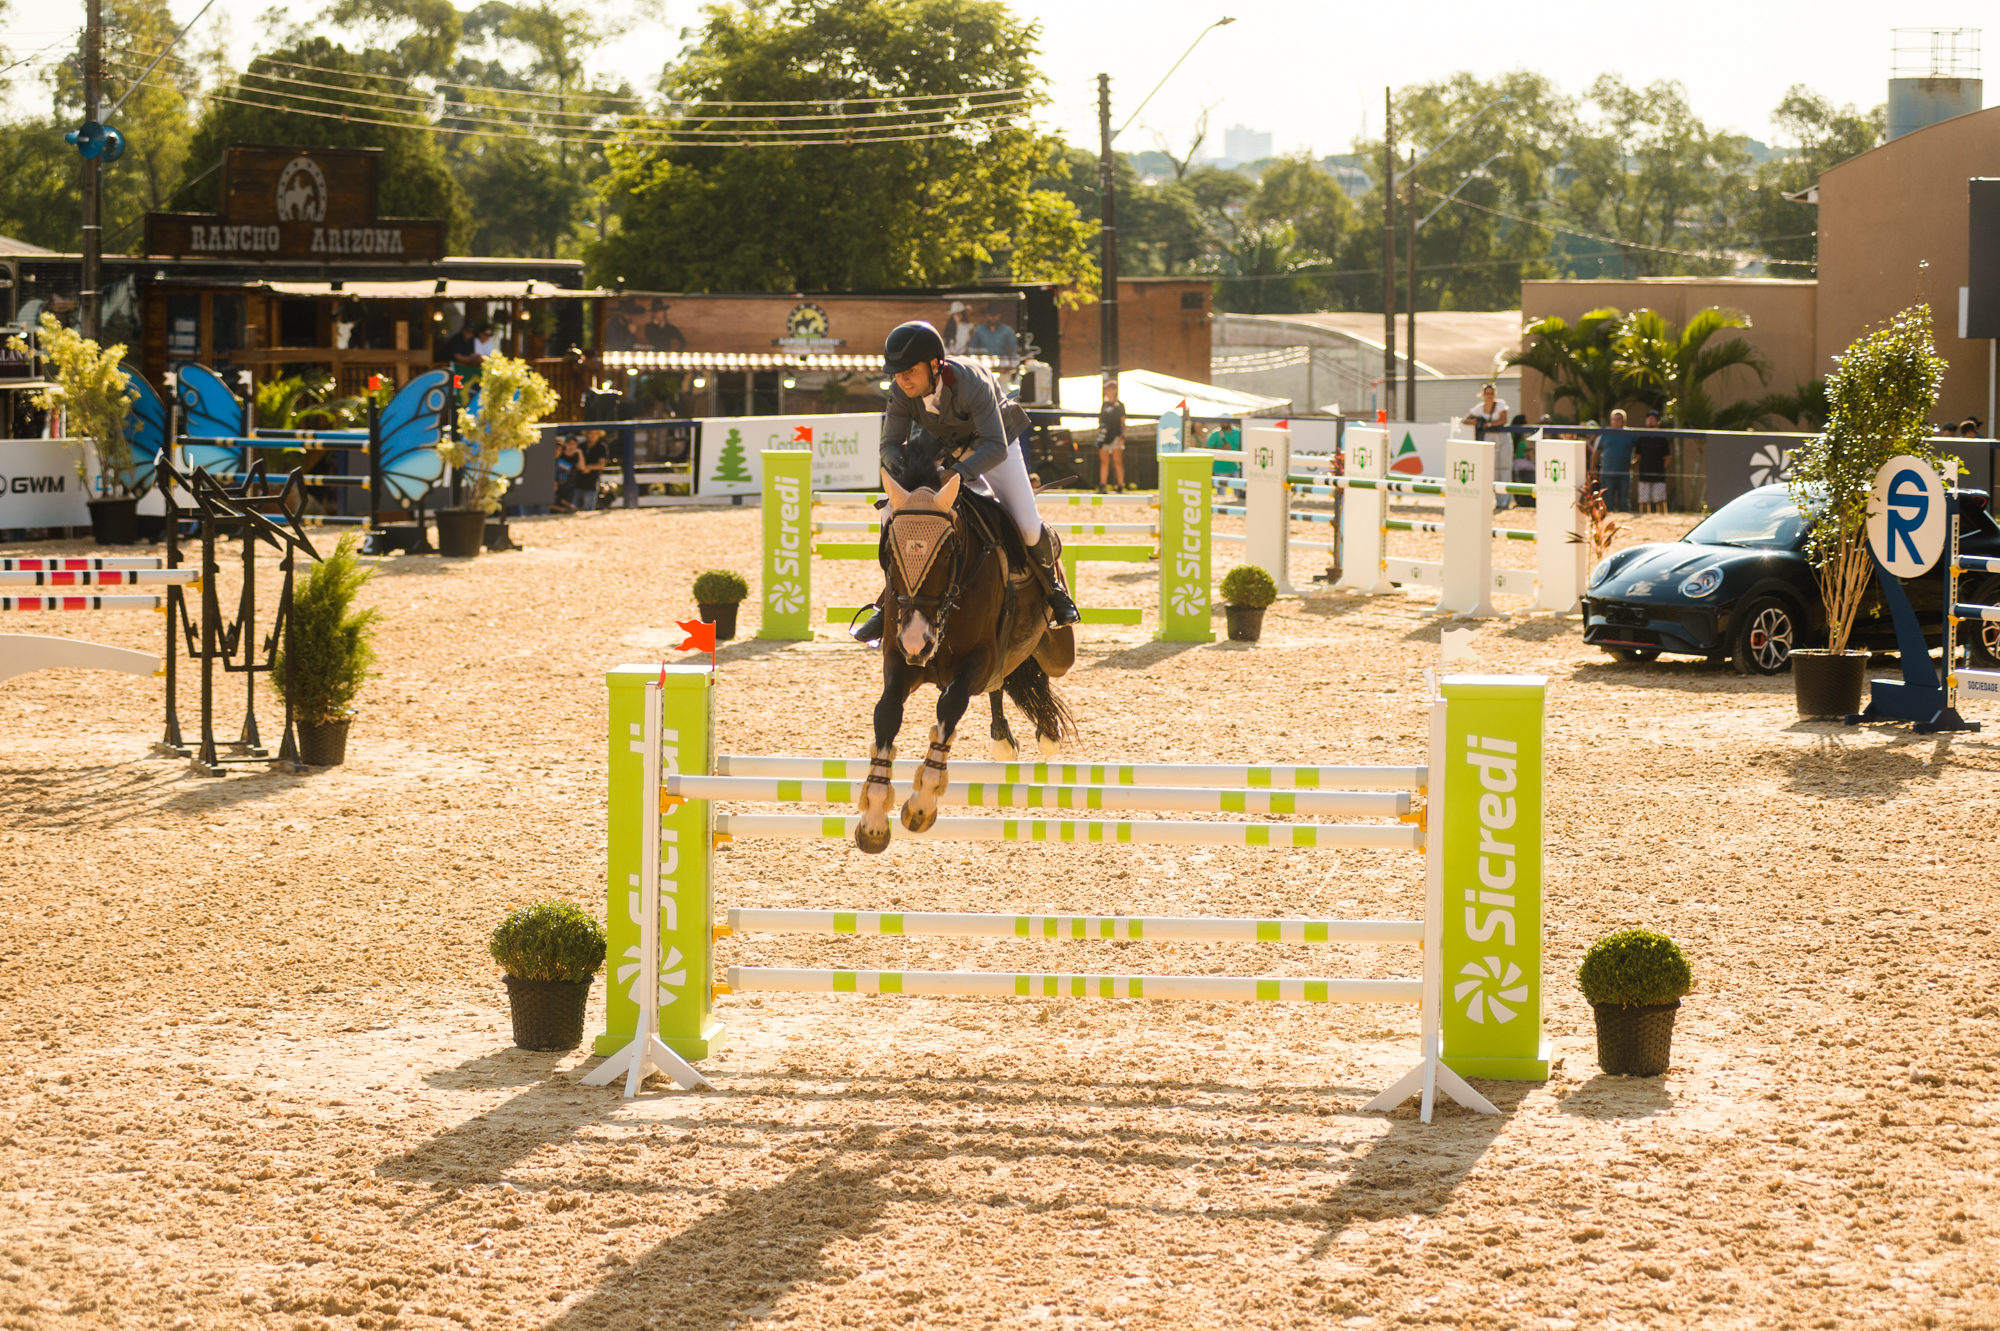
[{"x": 1009, "y": 484}]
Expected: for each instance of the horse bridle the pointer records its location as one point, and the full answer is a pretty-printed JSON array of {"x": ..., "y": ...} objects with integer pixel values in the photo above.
[{"x": 943, "y": 528}]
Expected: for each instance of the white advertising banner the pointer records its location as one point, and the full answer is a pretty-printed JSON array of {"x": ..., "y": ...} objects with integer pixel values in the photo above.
[
  {"x": 1316, "y": 437},
  {"x": 39, "y": 486},
  {"x": 1417, "y": 449},
  {"x": 846, "y": 451}
]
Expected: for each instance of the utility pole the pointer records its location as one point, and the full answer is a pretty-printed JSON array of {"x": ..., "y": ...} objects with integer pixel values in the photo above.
[
  {"x": 1107, "y": 182},
  {"x": 1410, "y": 342},
  {"x": 93, "y": 73},
  {"x": 1388, "y": 253}
]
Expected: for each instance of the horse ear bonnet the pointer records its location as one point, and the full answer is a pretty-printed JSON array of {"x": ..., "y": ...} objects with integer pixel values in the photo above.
[{"x": 916, "y": 534}]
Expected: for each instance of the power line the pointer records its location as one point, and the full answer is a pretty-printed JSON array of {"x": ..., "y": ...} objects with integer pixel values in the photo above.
[
  {"x": 1712, "y": 255},
  {"x": 849, "y": 139}
]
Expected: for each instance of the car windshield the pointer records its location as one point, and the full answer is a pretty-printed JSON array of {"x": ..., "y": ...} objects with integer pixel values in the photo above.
[{"x": 1767, "y": 518}]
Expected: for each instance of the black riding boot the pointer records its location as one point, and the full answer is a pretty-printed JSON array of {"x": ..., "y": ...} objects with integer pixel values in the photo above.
[
  {"x": 871, "y": 631},
  {"x": 1062, "y": 610}
]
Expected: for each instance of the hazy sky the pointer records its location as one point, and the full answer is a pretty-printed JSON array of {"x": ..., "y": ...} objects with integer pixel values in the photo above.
[{"x": 1309, "y": 73}]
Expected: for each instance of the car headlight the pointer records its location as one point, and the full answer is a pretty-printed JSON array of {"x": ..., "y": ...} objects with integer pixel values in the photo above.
[
  {"x": 1601, "y": 572},
  {"x": 1702, "y": 583}
]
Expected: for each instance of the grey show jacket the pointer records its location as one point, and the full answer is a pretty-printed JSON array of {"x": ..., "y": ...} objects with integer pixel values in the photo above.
[{"x": 973, "y": 418}]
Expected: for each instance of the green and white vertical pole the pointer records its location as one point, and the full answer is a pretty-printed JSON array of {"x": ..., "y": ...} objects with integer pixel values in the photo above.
[
  {"x": 1185, "y": 546},
  {"x": 787, "y": 609},
  {"x": 659, "y": 901},
  {"x": 1482, "y": 1003}
]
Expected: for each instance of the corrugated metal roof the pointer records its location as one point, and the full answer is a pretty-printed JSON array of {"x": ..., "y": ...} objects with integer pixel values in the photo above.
[{"x": 9, "y": 245}]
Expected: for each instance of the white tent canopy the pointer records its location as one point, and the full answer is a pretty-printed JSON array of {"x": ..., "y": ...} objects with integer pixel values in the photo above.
[{"x": 1145, "y": 394}]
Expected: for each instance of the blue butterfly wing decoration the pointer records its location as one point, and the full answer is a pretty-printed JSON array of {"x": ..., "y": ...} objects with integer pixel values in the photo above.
[
  {"x": 510, "y": 463},
  {"x": 410, "y": 427},
  {"x": 210, "y": 411},
  {"x": 145, "y": 427}
]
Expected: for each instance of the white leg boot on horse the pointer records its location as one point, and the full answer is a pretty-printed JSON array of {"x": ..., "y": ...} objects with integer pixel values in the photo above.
[
  {"x": 921, "y": 809},
  {"x": 877, "y": 796}
]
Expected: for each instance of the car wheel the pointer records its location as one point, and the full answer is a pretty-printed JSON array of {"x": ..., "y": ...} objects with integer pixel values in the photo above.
[
  {"x": 1766, "y": 631},
  {"x": 1635, "y": 654},
  {"x": 1982, "y": 637}
]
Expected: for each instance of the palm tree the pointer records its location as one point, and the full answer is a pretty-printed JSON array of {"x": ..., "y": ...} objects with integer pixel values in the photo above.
[
  {"x": 1670, "y": 368},
  {"x": 1580, "y": 363},
  {"x": 1805, "y": 406}
]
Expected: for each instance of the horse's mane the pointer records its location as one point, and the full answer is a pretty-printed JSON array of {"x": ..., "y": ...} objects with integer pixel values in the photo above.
[{"x": 918, "y": 464}]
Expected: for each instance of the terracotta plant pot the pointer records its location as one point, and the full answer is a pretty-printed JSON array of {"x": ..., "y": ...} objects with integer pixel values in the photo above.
[
  {"x": 1635, "y": 1041},
  {"x": 461, "y": 532},
  {"x": 723, "y": 616},
  {"x": 323, "y": 743},
  {"x": 1246, "y": 622},
  {"x": 1828, "y": 685},
  {"x": 114, "y": 521},
  {"x": 548, "y": 1014}
]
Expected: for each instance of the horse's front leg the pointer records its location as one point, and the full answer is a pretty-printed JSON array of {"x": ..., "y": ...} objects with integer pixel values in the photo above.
[
  {"x": 871, "y": 834},
  {"x": 920, "y": 810}
]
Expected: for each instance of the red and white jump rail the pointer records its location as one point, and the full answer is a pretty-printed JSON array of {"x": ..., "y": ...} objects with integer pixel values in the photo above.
[
  {"x": 1479, "y": 987},
  {"x": 21, "y": 653}
]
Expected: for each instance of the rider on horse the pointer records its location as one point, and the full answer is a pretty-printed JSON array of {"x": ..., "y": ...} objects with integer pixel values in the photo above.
[{"x": 962, "y": 406}]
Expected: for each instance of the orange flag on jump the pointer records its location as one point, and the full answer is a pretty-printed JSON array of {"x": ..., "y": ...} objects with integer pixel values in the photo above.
[{"x": 701, "y": 636}]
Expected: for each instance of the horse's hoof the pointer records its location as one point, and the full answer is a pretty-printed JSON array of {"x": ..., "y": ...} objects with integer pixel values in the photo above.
[
  {"x": 916, "y": 819},
  {"x": 1048, "y": 744},
  {"x": 1006, "y": 751},
  {"x": 871, "y": 841}
]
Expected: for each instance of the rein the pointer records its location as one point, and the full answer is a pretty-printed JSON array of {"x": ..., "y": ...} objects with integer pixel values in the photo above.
[{"x": 938, "y": 607}]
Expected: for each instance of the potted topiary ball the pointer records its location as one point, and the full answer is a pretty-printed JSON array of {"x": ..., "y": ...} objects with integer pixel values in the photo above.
[
  {"x": 718, "y": 592},
  {"x": 1247, "y": 591},
  {"x": 550, "y": 951},
  {"x": 330, "y": 652},
  {"x": 1633, "y": 981}
]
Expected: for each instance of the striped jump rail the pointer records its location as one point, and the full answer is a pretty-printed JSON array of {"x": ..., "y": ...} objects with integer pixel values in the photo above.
[
  {"x": 100, "y": 577},
  {"x": 1965, "y": 610},
  {"x": 1964, "y": 563},
  {"x": 1063, "y": 498},
  {"x": 1087, "y": 831},
  {"x": 1231, "y": 775},
  {"x": 1069, "y": 928},
  {"x": 1009, "y": 795},
  {"x": 41, "y": 564},
  {"x": 1001, "y": 984},
  {"x": 1438, "y": 528},
  {"x": 80, "y": 602}
]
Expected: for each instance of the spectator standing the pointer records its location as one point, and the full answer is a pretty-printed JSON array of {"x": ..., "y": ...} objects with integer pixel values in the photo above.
[
  {"x": 957, "y": 330},
  {"x": 1110, "y": 436},
  {"x": 1614, "y": 464},
  {"x": 993, "y": 338},
  {"x": 1650, "y": 452},
  {"x": 589, "y": 471},
  {"x": 1228, "y": 438},
  {"x": 567, "y": 456},
  {"x": 1489, "y": 411}
]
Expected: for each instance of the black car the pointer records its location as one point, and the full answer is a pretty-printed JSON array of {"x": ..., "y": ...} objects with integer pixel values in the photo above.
[{"x": 1739, "y": 585}]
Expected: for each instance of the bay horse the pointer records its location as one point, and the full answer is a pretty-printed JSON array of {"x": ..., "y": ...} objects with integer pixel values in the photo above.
[{"x": 965, "y": 612}]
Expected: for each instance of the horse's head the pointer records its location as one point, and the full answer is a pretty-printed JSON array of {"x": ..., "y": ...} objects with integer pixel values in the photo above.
[{"x": 926, "y": 555}]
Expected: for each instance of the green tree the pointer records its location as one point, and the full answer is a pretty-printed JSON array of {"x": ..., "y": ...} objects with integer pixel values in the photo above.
[
  {"x": 946, "y": 209},
  {"x": 414, "y": 181},
  {"x": 1676, "y": 370},
  {"x": 1821, "y": 135},
  {"x": 1580, "y": 363},
  {"x": 1647, "y": 171},
  {"x": 1301, "y": 193},
  {"x": 1262, "y": 270}
]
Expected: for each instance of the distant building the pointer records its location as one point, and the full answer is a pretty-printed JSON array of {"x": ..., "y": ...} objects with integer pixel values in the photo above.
[{"x": 1242, "y": 144}]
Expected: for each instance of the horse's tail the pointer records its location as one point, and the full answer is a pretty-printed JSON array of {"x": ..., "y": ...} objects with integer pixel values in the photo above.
[{"x": 1032, "y": 692}]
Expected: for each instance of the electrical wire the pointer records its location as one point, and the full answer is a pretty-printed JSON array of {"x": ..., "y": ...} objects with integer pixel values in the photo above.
[
  {"x": 36, "y": 55},
  {"x": 850, "y": 139},
  {"x": 429, "y": 102},
  {"x": 1733, "y": 256}
]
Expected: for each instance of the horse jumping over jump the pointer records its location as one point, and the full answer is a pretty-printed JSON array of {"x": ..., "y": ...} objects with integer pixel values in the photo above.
[{"x": 966, "y": 613}]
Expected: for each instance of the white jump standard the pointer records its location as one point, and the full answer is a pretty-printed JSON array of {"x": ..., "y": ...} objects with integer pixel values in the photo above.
[{"x": 1483, "y": 782}]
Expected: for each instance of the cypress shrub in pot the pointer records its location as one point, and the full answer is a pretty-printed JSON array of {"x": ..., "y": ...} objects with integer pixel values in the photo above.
[
  {"x": 1248, "y": 591},
  {"x": 1634, "y": 981},
  {"x": 718, "y": 593},
  {"x": 550, "y": 952},
  {"x": 324, "y": 660}
]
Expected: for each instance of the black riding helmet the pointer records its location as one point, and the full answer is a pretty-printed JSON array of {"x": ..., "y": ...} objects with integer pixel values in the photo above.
[{"x": 913, "y": 343}]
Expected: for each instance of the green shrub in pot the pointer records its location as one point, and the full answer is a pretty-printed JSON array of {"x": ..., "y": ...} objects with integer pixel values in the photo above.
[
  {"x": 1249, "y": 586},
  {"x": 323, "y": 661},
  {"x": 1634, "y": 981},
  {"x": 550, "y": 951},
  {"x": 719, "y": 592}
]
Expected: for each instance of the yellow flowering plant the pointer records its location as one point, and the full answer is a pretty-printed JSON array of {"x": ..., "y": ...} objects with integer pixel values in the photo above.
[
  {"x": 93, "y": 393},
  {"x": 512, "y": 398}
]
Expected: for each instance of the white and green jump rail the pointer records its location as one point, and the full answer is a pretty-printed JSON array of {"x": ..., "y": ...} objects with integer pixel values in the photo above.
[
  {"x": 1181, "y": 529},
  {"x": 1481, "y": 832},
  {"x": 1465, "y": 577}
]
